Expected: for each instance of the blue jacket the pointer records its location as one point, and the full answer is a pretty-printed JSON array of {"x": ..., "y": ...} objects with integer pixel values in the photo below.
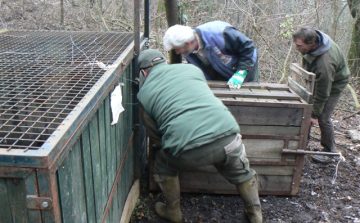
[{"x": 227, "y": 50}]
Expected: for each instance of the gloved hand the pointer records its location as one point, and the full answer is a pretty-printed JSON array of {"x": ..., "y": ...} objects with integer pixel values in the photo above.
[{"x": 237, "y": 79}]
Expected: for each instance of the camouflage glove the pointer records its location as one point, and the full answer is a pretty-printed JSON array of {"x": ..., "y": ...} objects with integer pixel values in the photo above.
[{"x": 237, "y": 79}]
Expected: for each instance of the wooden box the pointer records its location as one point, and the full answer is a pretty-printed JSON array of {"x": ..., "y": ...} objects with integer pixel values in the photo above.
[{"x": 274, "y": 123}]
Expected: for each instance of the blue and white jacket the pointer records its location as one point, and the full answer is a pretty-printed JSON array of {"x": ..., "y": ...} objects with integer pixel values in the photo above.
[{"x": 227, "y": 50}]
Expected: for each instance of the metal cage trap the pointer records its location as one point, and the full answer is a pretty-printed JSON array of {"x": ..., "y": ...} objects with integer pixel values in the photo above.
[{"x": 44, "y": 75}]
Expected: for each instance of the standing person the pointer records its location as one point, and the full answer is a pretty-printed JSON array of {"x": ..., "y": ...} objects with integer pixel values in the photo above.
[
  {"x": 173, "y": 100},
  {"x": 323, "y": 57},
  {"x": 221, "y": 51}
]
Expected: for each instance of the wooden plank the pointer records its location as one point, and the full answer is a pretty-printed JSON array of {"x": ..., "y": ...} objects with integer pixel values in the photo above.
[
  {"x": 5, "y": 210},
  {"x": 78, "y": 184},
  {"x": 96, "y": 167},
  {"x": 102, "y": 145},
  {"x": 215, "y": 183},
  {"x": 110, "y": 166},
  {"x": 14, "y": 172},
  {"x": 48, "y": 187},
  {"x": 65, "y": 190},
  {"x": 31, "y": 185},
  {"x": 269, "y": 130},
  {"x": 300, "y": 90},
  {"x": 253, "y": 115},
  {"x": 246, "y": 85},
  {"x": 262, "y": 149},
  {"x": 16, "y": 191},
  {"x": 130, "y": 202},
  {"x": 89, "y": 189},
  {"x": 246, "y": 94},
  {"x": 297, "y": 71}
]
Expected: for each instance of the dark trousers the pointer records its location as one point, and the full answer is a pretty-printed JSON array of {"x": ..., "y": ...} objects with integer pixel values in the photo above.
[{"x": 326, "y": 125}]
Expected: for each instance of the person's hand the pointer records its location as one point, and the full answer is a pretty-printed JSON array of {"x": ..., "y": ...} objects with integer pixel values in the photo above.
[
  {"x": 237, "y": 79},
  {"x": 313, "y": 121}
]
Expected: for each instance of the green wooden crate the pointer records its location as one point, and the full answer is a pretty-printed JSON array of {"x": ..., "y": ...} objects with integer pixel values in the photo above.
[{"x": 64, "y": 161}]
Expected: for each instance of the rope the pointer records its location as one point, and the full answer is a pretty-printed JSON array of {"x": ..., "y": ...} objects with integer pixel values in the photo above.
[{"x": 336, "y": 169}]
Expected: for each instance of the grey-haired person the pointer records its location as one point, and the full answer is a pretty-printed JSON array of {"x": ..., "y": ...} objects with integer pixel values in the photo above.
[{"x": 220, "y": 50}]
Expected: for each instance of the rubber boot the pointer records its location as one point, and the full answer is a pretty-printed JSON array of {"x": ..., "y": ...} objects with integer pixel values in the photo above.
[
  {"x": 249, "y": 193},
  {"x": 171, "y": 189}
]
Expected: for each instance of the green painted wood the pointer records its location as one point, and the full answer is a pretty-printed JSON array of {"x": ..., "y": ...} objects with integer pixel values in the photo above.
[
  {"x": 45, "y": 179},
  {"x": 96, "y": 167},
  {"x": 79, "y": 193},
  {"x": 89, "y": 189},
  {"x": 5, "y": 210},
  {"x": 103, "y": 163},
  {"x": 65, "y": 190},
  {"x": 110, "y": 167},
  {"x": 31, "y": 189},
  {"x": 17, "y": 199}
]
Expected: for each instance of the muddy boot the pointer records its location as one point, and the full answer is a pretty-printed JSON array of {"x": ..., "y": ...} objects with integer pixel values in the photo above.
[
  {"x": 171, "y": 189},
  {"x": 249, "y": 193}
]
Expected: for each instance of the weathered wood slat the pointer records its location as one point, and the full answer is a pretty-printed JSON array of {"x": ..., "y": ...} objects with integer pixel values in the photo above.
[
  {"x": 86, "y": 151},
  {"x": 5, "y": 209},
  {"x": 295, "y": 67},
  {"x": 102, "y": 144},
  {"x": 248, "y": 94},
  {"x": 300, "y": 90},
  {"x": 110, "y": 165},
  {"x": 95, "y": 159},
  {"x": 109, "y": 156},
  {"x": 16, "y": 191},
  {"x": 269, "y": 130},
  {"x": 66, "y": 194},
  {"x": 247, "y": 85},
  {"x": 78, "y": 184},
  {"x": 298, "y": 74},
  {"x": 247, "y": 115}
]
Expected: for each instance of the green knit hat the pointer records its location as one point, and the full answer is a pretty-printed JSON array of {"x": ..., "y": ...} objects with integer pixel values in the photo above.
[{"x": 149, "y": 58}]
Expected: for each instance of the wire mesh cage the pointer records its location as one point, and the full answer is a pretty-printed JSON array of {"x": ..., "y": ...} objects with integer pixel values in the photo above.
[
  {"x": 60, "y": 142},
  {"x": 44, "y": 75}
]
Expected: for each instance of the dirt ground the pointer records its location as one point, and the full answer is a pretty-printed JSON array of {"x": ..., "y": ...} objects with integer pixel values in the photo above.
[{"x": 329, "y": 192}]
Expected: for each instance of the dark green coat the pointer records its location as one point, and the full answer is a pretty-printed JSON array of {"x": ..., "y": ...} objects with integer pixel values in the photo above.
[
  {"x": 332, "y": 74},
  {"x": 184, "y": 108}
]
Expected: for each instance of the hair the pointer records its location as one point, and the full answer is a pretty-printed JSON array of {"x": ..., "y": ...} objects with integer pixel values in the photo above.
[
  {"x": 306, "y": 34},
  {"x": 177, "y": 35}
]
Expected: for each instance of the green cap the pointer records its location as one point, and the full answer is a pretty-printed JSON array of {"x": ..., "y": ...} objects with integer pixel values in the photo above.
[{"x": 149, "y": 58}]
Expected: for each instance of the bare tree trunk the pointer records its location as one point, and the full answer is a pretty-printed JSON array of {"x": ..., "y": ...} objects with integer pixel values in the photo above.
[
  {"x": 172, "y": 16},
  {"x": 354, "y": 51},
  {"x": 62, "y": 12}
]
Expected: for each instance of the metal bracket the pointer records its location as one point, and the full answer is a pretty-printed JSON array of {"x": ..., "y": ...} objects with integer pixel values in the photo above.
[{"x": 38, "y": 203}]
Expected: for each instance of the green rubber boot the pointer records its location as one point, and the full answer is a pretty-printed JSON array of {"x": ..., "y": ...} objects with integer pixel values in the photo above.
[
  {"x": 249, "y": 193},
  {"x": 170, "y": 187}
]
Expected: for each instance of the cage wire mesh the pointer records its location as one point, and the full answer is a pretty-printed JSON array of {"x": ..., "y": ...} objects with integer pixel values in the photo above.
[{"x": 44, "y": 75}]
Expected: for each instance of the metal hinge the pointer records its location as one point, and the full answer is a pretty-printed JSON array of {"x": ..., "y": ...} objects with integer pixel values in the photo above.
[{"x": 38, "y": 203}]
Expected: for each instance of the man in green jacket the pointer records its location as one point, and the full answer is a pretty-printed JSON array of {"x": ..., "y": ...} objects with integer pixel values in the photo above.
[
  {"x": 323, "y": 57},
  {"x": 193, "y": 128}
]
